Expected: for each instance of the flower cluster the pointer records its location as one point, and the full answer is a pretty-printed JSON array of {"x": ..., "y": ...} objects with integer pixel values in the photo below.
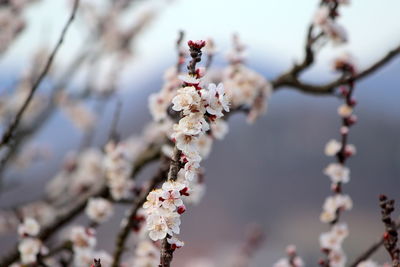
[
  {"x": 81, "y": 174},
  {"x": 146, "y": 254},
  {"x": 159, "y": 102},
  {"x": 83, "y": 245},
  {"x": 163, "y": 208},
  {"x": 201, "y": 112},
  {"x": 325, "y": 19},
  {"x": 339, "y": 174},
  {"x": 118, "y": 165},
  {"x": 30, "y": 247},
  {"x": 99, "y": 209},
  {"x": 331, "y": 243},
  {"x": 245, "y": 87}
]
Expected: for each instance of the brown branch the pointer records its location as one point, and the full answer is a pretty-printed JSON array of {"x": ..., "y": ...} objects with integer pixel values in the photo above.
[
  {"x": 8, "y": 134},
  {"x": 290, "y": 80},
  {"x": 370, "y": 251},
  {"x": 130, "y": 218}
]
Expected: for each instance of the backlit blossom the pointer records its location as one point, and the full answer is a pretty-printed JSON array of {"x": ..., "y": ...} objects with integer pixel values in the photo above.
[
  {"x": 345, "y": 111},
  {"x": 332, "y": 147}
]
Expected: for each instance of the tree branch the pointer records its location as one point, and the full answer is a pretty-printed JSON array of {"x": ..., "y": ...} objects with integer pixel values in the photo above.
[
  {"x": 147, "y": 156},
  {"x": 291, "y": 80},
  {"x": 8, "y": 134}
]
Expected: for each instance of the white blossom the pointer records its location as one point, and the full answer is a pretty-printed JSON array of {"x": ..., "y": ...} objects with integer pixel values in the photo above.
[
  {"x": 189, "y": 79},
  {"x": 157, "y": 227},
  {"x": 99, "y": 209},
  {"x": 29, "y": 249},
  {"x": 187, "y": 100},
  {"x": 321, "y": 17},
  {"x": 186, "y": 143},
  {"x": 219, "y": 129},
  {"x": 82, "y": 237},
  {"x": 285, "y": 262},
  {"x": 337, "y": 258},
  {"x": 332, "y": 147},
  {"x": 146, "y": 254},
  {"x": 368, "y": 263},
  {"x": 345, "y": 111},
  {"x": 216, "y": 100},
  {"x": 333, "y": 239},
  {"x": 175, "y": 242},
  {"x": 338, "y": 173},
  {"x": 332, "y": 204},
  {"x": 29, "y": 227},
  {"x": 192, "y": 124}
]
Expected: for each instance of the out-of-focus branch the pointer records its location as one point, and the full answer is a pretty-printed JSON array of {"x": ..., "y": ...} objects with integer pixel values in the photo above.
[
  {"x": 62, "y": 219},
  {"x": 8, "y": 134},
  {"x": 291, "y": 79}
]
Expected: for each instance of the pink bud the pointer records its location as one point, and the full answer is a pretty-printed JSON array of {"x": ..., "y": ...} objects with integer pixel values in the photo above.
[
  {"x": 352, "y": 102},
  {"x": 344, "y": 130},
  {"x": 343, "y": 90},
  {"x": 181, "y": 209},
  {"x": 352, "y": 119}
]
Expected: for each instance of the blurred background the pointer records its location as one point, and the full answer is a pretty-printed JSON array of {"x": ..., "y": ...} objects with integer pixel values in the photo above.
[{"x": 268, "y": 173}]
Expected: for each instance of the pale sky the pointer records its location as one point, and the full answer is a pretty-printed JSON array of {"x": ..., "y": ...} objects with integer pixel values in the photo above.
[{"x": 274, "y": 30}]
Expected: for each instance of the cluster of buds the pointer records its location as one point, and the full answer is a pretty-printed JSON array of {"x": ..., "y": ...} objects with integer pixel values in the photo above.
[
  {"x": 325, "y": 19},
  {"x": 339, "y": 174},
  {"x": 390, "y": 237},
  {"x": 292, "y": 259}
]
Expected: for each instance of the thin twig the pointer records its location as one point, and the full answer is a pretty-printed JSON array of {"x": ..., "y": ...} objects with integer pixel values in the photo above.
[
  {"x": 370, "y": 251},
  {"x": 8, "y": 134}
]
